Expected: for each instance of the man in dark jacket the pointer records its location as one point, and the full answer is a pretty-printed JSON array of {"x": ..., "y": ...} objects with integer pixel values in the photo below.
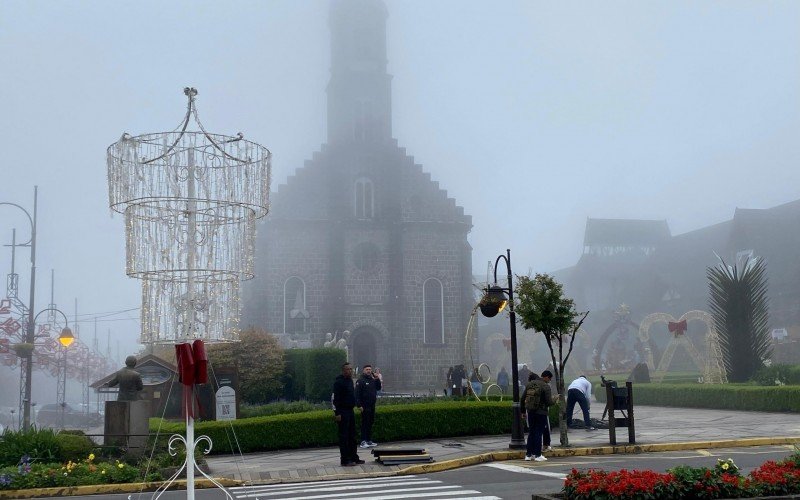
[
  {"x": 343, "y": 402},
  {"x": 367, "y": 387},
  {"x": 537, "y": 398}
]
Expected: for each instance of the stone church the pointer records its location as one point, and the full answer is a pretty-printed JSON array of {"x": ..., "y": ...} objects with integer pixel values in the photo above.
[{"x": 360, "y": 238}]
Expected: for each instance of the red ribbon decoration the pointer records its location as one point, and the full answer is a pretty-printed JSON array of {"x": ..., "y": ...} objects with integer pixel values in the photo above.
[
  {"x": 200, "y": 362},
  {"x": 192, "y": 369},
  {"x": 678, "y": 328}
]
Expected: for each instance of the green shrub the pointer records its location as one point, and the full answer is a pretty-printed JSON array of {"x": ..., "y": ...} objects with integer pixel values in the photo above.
[
  {"x": 74, "y": 447},
  {"x": 309, "y": 373},
  {"x": 41, "y": 445},
  {"x": 778, "y": 374},
  {"x": 282, "y": 408},
  {"x": 713, "y": 396},
  {"x": 393, "y": 423}
]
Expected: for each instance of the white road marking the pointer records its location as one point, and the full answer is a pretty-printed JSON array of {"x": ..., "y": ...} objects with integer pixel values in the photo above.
[
  {"x": 335, "y": 485},
  {"x": 373, "y": 488},
  {"x": 526, "y": 470},
  {"x": 370, "y": 480}
]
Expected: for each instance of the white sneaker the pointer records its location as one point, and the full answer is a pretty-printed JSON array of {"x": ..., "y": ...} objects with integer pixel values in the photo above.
[
  {"x": 363, "y": 444},
  {"x": 528, "y": 458},
  {"x": 372, "y": 444},
  {"x": 549, "y": 448},
  {"x": 540, "y": 458}
]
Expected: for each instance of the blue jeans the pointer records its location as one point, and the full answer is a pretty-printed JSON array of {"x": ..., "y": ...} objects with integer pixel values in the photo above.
[
  {"x": 576, "y": 396},
  {"x": 536, "y": 427}
]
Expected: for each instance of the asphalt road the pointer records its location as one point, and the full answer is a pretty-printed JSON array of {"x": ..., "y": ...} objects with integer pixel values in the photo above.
[{"x": 499, "y": 480}]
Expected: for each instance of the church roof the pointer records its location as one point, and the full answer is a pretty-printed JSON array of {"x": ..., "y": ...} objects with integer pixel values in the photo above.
[{"x": 625, "y": 232}]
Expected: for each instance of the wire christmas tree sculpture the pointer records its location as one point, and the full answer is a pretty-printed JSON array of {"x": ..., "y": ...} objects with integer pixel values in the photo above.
[{"x": 190, "y": 200}]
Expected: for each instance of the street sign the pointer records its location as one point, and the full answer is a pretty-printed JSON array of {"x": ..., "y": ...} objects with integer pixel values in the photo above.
[{"x": 226, "y": 403}]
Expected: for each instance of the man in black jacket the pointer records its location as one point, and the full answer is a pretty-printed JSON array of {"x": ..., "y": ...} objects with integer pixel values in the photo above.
[
  {"x": 343, "y": 402},
  {"x": 367, "y": 387}
]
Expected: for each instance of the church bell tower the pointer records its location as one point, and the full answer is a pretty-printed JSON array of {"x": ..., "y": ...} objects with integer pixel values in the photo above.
[{"x": 359, "y": 90}]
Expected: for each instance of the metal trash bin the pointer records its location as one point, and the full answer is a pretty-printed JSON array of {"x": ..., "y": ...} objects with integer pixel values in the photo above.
[{"x": 620, "y": 399}]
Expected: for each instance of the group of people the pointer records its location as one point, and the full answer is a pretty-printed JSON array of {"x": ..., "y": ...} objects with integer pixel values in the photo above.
[
  {"x": 346, "y": 397},
  {"x": 537, "y": 398},
  {"x": 457, "y": 383}
]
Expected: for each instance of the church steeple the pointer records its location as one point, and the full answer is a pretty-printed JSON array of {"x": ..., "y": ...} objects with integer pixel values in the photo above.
[{"x": 359, "y": 90}]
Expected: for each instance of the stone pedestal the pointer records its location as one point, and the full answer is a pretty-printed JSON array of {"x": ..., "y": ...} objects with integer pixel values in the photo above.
[{"x": 127, "y": 425}]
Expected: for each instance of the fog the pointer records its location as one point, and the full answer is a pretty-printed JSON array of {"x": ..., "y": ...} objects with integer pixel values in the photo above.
[{"x": 533, "y": 115}]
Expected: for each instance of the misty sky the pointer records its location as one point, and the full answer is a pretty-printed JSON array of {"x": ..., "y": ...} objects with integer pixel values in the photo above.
[{"x": 533, "y": 115}]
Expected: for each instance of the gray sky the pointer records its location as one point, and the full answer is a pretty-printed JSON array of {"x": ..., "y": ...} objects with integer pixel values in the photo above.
[{"x": 533, "y": 115}]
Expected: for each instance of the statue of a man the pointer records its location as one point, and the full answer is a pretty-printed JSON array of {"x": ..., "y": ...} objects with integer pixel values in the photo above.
[{"x": 129, "y": 381}]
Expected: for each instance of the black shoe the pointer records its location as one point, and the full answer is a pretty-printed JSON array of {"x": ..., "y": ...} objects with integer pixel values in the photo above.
[
  {"x": 359, "y": 462},
  {"x": 349, "y": 464}
]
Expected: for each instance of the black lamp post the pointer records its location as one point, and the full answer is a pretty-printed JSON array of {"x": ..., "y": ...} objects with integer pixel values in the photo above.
[{"x": 495, "y": 300}]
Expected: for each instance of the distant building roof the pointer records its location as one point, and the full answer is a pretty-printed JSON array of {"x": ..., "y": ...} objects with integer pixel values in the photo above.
[
  {"x": 625, "y": 232},
  {"x": 144, "y": 361}
]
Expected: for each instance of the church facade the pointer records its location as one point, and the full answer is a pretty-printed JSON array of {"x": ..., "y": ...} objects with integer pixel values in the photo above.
[{"x": 360, "y": 238}]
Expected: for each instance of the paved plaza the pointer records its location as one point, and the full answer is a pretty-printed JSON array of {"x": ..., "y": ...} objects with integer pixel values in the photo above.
[{"x": 654, "y": 425}]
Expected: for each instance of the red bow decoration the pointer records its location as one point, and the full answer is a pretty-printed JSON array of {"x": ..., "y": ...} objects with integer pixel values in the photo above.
[
  {"x": 192, "y": 369},
  {"x": 678, "y": 328}
]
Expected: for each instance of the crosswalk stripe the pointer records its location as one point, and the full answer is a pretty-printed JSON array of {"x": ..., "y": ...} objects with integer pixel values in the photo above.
[
  {"x": 526, "y": 470},
  {"x": 371, "y": 482},
  {"x": 376, "y": 488},
  {"x": 345, "y": 488},
  {"x": 393, "y": 493}
]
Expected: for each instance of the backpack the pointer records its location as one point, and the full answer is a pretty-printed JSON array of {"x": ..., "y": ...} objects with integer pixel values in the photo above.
[{"x": 534, "y": 397}]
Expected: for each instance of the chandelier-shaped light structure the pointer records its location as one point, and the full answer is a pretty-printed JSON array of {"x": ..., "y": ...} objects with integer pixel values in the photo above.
[{"x": 190, "y": 200}]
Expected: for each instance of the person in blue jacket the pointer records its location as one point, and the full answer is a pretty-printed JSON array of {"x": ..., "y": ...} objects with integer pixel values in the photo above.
[{"x": 367, "y": 387}]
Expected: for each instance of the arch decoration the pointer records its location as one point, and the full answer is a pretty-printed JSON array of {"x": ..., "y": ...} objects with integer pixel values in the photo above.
[{"x": 712, "y": 367}]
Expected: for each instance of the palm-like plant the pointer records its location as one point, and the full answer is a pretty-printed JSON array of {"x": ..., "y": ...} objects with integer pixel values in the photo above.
[{"x": 739, "y": 304}]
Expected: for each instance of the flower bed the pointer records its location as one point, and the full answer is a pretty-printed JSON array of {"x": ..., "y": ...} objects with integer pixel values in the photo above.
[
  {"x": 723, "y": 481},
  {"x": 45, "y": 475}
]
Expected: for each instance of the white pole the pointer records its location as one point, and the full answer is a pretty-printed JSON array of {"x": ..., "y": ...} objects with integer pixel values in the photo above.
[
  {"x": 189, "y": 451},
  {"x": 192, "y": 241}
]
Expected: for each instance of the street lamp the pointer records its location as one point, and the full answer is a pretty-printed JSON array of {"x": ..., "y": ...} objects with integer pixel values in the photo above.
[
  {"x": 494, "y": 300},
  {"x": 66, "y": 338},
  {"x": 30, "y": 333}
]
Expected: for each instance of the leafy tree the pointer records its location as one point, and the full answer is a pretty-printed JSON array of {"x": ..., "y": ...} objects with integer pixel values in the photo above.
[
  {"x": 542, "y": 306},
  {"x": 739, "y": 304},
  {"x": 260, "y": 361}
]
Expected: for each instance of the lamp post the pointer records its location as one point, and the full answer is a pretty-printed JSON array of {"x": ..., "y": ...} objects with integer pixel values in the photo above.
[
  {"x": 495, "y": 300},
  {"x": 26, "y": 372},
  {"x": 65, "y": 339}
]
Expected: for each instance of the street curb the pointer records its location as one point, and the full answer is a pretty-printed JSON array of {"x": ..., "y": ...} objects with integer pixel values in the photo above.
[
  {"x": 108, "y": 489},
  {"x": 494, "y": 456},
  {"x": 497, "y": 456}
]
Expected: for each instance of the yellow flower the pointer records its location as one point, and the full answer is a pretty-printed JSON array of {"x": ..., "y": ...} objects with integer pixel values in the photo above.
[
  {"x": 121, "y": 466},
  {"x": 103, "y": 471},
  {"x": 91, "y": 456},
  {"x": 725, "y": 466}
]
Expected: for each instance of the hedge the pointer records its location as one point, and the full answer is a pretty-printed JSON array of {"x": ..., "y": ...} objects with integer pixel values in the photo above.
[
  {"x": 310, "y": 372},
  {"x": 392, "y": 423},
  {"x": 713, "y": 396}
]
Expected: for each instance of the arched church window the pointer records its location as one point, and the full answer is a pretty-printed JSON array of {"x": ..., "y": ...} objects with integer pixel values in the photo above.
[
  {"x": 295, "y": 313},
  {"x": 364, "y": 198},
  {"x": 433, "y": 311}
]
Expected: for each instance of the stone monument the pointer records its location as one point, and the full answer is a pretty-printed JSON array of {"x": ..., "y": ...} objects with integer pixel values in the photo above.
[{"x": 126, "y": 419}]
